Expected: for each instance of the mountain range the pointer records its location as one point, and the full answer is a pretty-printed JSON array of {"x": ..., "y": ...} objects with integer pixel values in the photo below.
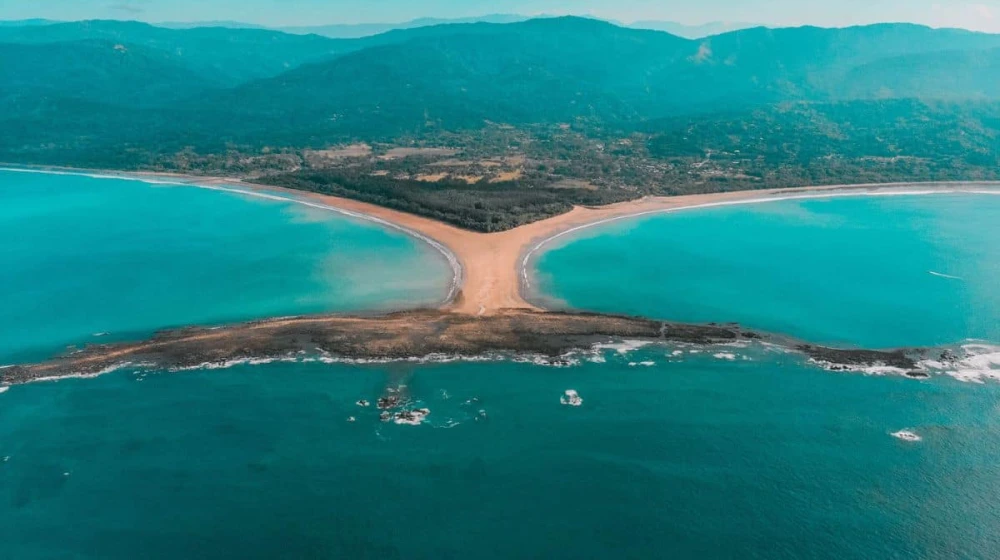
[
  {"x": 103, "y": 85},
  {"x": 358, "y": 30}
]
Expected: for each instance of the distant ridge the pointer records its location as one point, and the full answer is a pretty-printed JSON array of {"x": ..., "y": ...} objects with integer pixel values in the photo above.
[
  {"x": 26, "y": 22},
  {"x": 355, "y": 31},
  {"x": 359, "y": 30},
  {"x": 693, "y": 31},
  {"x": 214, "y": 23}
]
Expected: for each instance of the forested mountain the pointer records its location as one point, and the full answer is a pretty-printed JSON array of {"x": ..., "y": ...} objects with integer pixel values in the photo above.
[
  {"x": 567, "y": 99},
  {"x": 558, "y": 70},
  {"x": 233, "y": 56},
  {"x": 543, "y": 70},
  {"x": 538, "y": 71},
  {"x": 95, "y": 71}
]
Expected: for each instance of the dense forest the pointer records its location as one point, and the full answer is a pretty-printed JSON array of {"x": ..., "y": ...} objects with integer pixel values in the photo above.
[{"x": 492, "y": 125}]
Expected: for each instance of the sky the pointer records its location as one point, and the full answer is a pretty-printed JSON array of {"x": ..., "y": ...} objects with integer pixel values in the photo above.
[{"x": 981, "y": 15}]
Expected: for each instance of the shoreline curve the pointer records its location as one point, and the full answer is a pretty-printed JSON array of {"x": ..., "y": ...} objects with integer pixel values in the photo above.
[
  {"x": 491, "y": 270},
  {"x": 535, "y": 250},
  {"x": 259, "y": 191}
]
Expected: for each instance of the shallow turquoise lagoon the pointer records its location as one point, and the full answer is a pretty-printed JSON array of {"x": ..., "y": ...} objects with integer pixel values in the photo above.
[
  {"x": 868, "y": 271},
  {"x": 84, "y": 256}
]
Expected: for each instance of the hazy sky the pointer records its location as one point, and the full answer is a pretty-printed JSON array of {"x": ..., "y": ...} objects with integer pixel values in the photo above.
[{"x": 973, "y": 14}]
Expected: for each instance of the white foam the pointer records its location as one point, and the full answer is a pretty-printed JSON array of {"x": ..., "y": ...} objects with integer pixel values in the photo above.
[
  {"x": 623, "y": 347},
  {"x": 883, "y": 370},
  {"x": 411, "y": 417},
  {"x": 875, "y": 369},
  {"x": 260, "y": 361},
  {"x": 4, "y": 390},
  {"x": 940, "y": 275},
  {"x": 978, "y": 363},
  {"x": 724, "y": 356},
  {"x": 571, "y": 398},
  {"x": 906, "y": 435},
  {"x": 108, "y": 369},
  {"x": 566, "y": 360},
  {"x": 222, "y": 364}
]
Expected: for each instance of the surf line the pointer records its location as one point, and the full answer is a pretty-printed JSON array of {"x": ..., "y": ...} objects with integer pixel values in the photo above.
[
  {"x": 940, "y": 275},
  {"x": 525, "y": 261},
  {"x": 458, "y": 274}
]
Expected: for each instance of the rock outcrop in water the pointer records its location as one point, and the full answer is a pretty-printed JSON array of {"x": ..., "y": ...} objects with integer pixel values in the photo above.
[
  {"x": 407, "y": 335},
  {"x": 394, "y": 336}
]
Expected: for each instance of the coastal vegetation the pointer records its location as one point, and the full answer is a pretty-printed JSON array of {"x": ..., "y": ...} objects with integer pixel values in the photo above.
[
  {"x": 489, "y": 126},
  {"x": 481, "y": 206}
]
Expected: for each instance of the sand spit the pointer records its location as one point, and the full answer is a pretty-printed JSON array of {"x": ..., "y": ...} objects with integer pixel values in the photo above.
[
  {"x": 495, "y": 266},
  {"x": 491, "y": 270}
]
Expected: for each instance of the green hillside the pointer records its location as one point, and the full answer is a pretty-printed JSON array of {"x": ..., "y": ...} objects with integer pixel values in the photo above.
[
  {"x": 556, "y": 70},
  {"x": 232, "y": 56},
  {"x": 586, "y": 110},
  {"x": 96, "y": 71}
]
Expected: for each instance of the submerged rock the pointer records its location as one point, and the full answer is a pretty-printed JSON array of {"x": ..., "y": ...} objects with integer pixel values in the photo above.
[
  {"x": 571, "y": 398},
  {"x": 387, "y": 402},
  {"x": 906, "y": 435},
  {"x": 411, "y": 417}
]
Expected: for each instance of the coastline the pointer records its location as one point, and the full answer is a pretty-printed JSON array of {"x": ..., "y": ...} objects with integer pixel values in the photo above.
[
  {"x": 491, "y": 270},
  {"x": 665, "y": 205}
]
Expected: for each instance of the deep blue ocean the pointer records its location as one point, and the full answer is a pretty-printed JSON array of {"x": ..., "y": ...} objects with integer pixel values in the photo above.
[{"x": 675, "y": 452}]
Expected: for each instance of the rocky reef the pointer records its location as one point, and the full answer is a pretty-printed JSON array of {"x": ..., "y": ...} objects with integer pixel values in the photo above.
[{"x": 411, "y": 334}]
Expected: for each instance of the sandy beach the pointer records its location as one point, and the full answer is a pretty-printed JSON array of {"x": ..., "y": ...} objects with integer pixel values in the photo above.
[
  {"x": 491, "y": 269},
  {"x": 494, "y": 265}
]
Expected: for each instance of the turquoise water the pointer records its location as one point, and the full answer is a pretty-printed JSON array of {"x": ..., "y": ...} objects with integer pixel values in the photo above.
[
  {"x": 727, "y": 452},
  {"x": 83, "y": 256},
  {"x": 850, "y": 271},
  {"x": 691, "y": 459}
]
